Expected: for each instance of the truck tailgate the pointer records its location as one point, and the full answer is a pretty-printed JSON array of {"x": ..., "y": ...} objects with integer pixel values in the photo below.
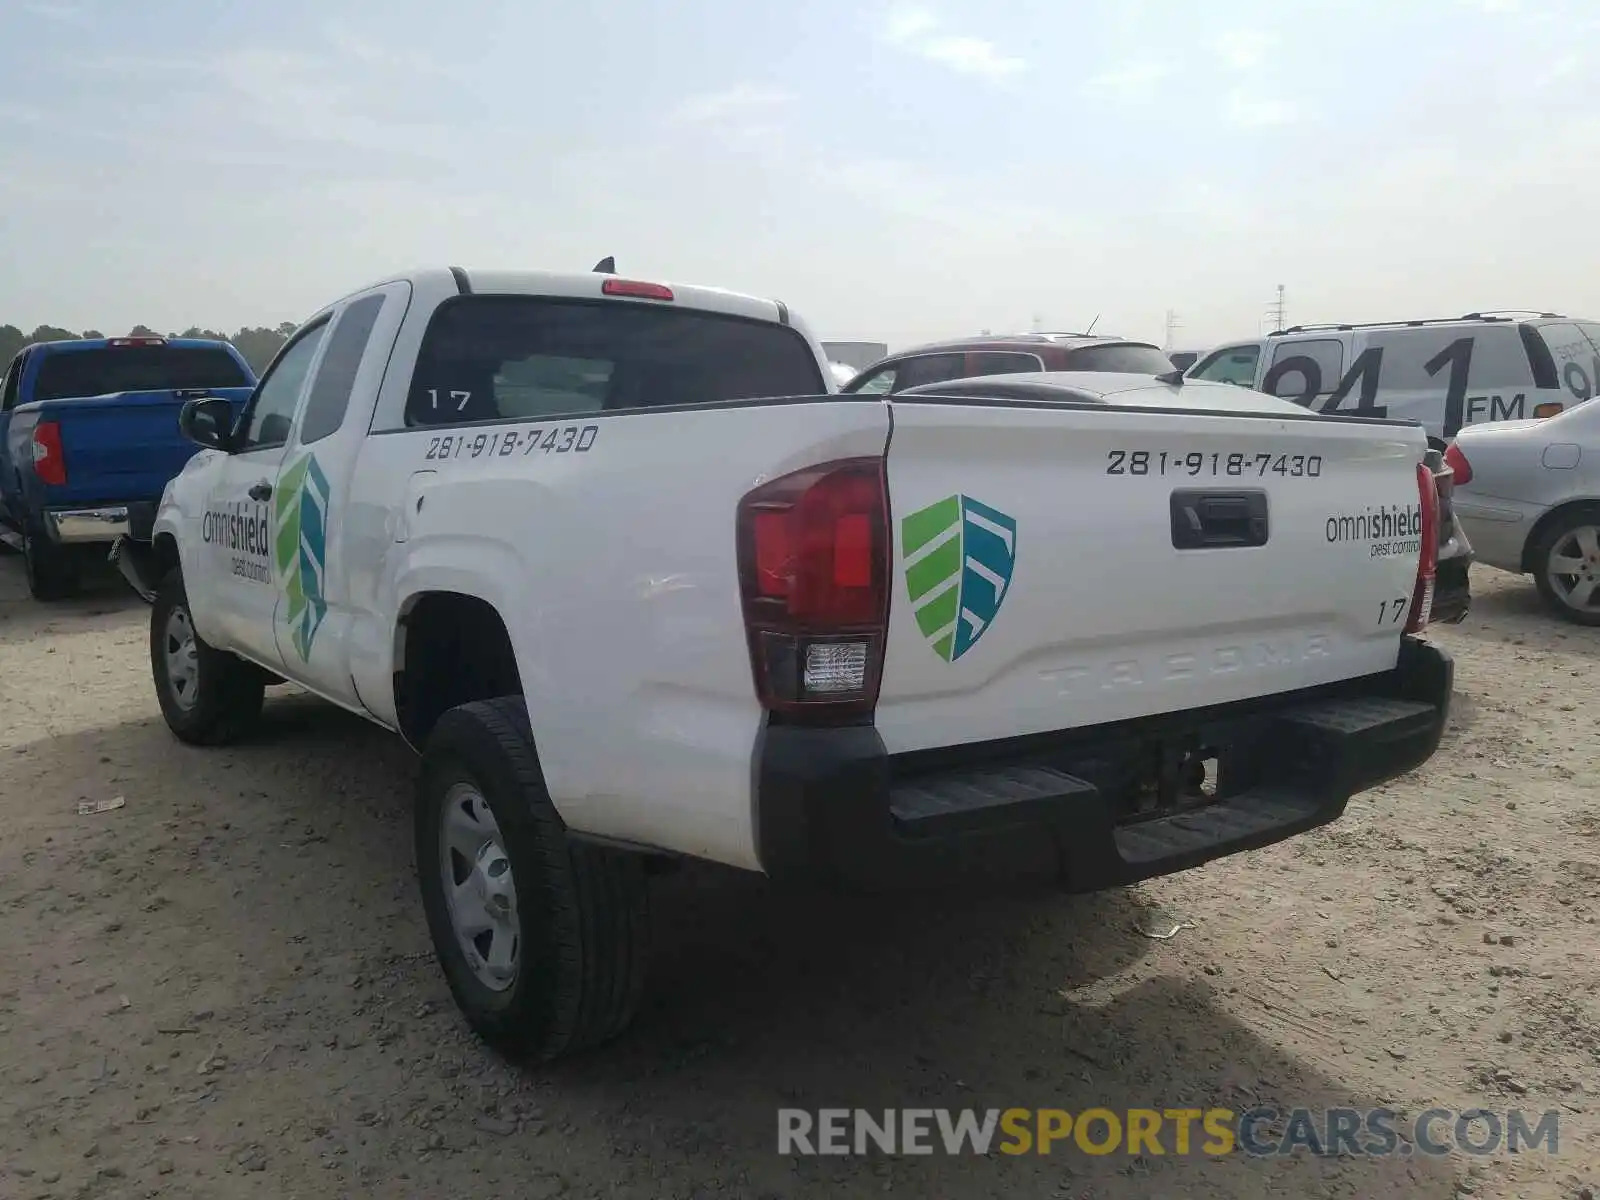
[
  {"x": 1060, "y": 566},
  {"x": 121, "y": 447}
]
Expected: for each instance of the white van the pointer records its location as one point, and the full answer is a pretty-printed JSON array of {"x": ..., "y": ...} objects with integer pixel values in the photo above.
[{"x": 1446, "y": 374}]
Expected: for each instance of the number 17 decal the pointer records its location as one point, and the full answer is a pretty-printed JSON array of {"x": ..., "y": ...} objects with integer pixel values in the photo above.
[
  {"x": 459, "y": 398},
  {"x": 1390, "y": 611}
]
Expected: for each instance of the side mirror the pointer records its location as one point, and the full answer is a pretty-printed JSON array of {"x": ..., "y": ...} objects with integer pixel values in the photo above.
[{"x": 207, "y": 422}]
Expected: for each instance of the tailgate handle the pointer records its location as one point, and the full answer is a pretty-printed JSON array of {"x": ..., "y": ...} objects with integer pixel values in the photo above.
[{"x": 1207, "y": 520}]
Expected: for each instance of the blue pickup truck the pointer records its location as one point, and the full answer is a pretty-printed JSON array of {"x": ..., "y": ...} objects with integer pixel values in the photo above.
[{"x": 89, "y": 438}]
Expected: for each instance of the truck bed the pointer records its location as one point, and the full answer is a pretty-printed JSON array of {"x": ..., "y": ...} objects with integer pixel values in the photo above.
[{"x": 120, "y": 447}]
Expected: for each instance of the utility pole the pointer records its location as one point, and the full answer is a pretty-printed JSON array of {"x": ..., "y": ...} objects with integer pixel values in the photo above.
[
  {"x": 1278, "y": 312},
  {"x": 1172, "y": 325},
  {"x": 1038, "y": 322}
]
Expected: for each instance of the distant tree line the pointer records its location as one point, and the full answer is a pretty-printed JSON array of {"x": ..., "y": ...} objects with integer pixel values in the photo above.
[{"x": 258, "y": 345}]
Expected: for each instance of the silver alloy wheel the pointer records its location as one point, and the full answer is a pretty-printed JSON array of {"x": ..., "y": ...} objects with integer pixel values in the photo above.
[
  {"x": 183, "y": 658},
  {"x": 479, "y": 888},
  {"x": 1573, "y": 569}
]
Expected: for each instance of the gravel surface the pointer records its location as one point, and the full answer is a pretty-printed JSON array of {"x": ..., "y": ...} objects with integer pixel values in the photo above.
[{"x": 224, "y": 987}]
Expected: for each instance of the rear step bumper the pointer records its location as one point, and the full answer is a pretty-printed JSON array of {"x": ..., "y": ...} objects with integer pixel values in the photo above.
[
  {"x": 832, "y": 807},
  {"x": 99, "y": 523}
]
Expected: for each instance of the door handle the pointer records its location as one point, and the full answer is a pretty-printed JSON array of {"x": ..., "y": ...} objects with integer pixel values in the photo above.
[
  {"x": 260, "y": 491},
  {"x": 1202, "y": 519}
]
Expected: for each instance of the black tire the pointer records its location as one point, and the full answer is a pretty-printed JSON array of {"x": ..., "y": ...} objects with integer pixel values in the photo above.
[
  {"x": 583, "y": 911},
  {"x": 1539, "y": 559},
  {"x": 52, "y": 573},
  {"x": 227, "y": 690}
]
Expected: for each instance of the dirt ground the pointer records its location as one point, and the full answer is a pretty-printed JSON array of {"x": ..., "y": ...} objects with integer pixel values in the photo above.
[{"x": 224, "y": 987}]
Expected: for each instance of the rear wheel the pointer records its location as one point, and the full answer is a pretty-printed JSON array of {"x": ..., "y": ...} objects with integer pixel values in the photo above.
[
  {"x": 543, "y": 941},
  {"x": 1566, "y": 566},
  {"x": 52, "y": 574},
  {"x": 208, "y": 696}
]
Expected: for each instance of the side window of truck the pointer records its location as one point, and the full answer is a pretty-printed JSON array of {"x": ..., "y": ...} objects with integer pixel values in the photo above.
[
  {"x": 1303, "y": 370},
  {"x": 330, "y": 390},
  {"x": 1231, "y": 364},
  {"x": 271, "y": 412}
]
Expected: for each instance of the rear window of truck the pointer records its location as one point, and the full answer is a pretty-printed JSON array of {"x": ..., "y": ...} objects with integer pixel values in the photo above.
[
  {"x": 68, "y": 373},
  {"x": 509, "y": 358}
]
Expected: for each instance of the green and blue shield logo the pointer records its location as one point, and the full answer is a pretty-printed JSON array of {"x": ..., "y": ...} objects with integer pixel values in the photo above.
[
  {"x": 300, "y": 518},
  {"x": 958, "y": 557}
]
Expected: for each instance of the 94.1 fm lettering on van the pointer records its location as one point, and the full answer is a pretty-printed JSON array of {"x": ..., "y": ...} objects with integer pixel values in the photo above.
[
  {"x": 1301, "y": 378},
  {"x": 1366, "y": 376}
]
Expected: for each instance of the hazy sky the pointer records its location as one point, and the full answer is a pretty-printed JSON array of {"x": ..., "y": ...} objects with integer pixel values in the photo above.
[{"x": 892, "y": 171}]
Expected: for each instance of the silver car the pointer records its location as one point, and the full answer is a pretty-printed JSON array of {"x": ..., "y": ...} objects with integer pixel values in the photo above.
[{"x": 1528, "y": 494}]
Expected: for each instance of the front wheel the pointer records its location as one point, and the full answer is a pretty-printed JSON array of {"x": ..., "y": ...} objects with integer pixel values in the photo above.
[
  {"x": 1566, "y": 566},
  {"x": 208, "y": 696},
  {"x": 543, "y": 941}
]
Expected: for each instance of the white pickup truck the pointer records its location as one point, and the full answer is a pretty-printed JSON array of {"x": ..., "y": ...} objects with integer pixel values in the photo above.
[{"x": 638, "y": 585}]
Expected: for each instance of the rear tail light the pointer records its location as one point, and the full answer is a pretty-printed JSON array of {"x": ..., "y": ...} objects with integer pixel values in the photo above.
[
  {"x": 1458, "y": 464},
  {"x": 48, "y": 463},
  {"x": 813, "y": 549},
  {"x": 636, "y": 289},
  {"x": 1550, "y": 409},
  {"x": 137, "y": 341},
  {"x": 1428, "y": 558}
]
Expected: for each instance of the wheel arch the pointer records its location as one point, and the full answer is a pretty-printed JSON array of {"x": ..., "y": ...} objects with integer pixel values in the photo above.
[
  {"x": 1549, "y": 520},
  {"x": 164, "y": 554},
  {"x": 450, "y": 648}
]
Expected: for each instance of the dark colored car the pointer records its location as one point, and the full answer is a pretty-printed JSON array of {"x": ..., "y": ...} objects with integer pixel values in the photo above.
[{"x": 1008, "y": 355}]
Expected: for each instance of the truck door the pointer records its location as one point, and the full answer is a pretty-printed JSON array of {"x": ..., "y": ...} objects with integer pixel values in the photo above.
[
  {"x": 237, "y": 529},
  {"x": 316, "y": 543}
]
